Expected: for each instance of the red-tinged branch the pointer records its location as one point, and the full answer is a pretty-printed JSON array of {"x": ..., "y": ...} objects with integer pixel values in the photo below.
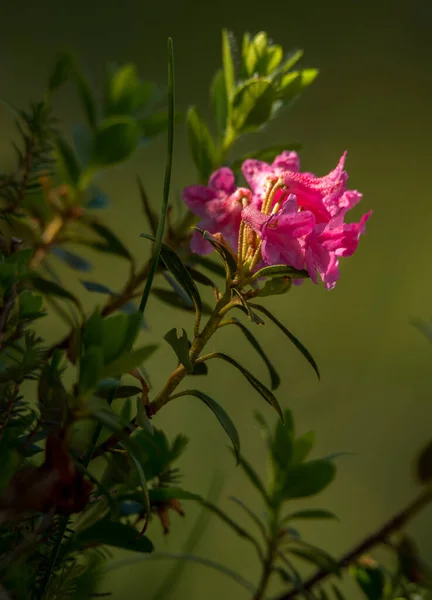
[{"x": 380, "y": 536}]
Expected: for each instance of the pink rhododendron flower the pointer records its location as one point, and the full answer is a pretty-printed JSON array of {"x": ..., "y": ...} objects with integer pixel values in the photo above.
[
  {"x": 327, "y": 243},
  {"x": 282, "y": 233},
  {"x": 256, "y": 172},
  {"x": 219, "y": 207},
  {"x": 308, "y": 229}
]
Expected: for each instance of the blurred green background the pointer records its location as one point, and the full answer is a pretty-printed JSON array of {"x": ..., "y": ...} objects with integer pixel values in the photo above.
[{"x": 373, "y": 98}]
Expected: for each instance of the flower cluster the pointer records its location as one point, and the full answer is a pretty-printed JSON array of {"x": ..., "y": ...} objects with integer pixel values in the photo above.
[{"x": 298, "y": 218}]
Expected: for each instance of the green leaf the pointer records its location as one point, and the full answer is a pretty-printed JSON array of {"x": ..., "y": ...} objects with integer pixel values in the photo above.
[
  {"x": 337, "y": 593},
  {"x": 318, "y": 558},
  {"x": 109, "y": 533},
  {"x": 291, "y": 59},
  {"x": 126, "y": 363},
  {"x": 148, "y": 210},
  {"x": 87, "y": 99},
  {"x": 115, "y": 140},
  {"x": 122, "y": 391},
  {"x": 123, "y": 93},
  {"x": 113, "y": 245},
  {"x": 282, "y": 443},
  {"x": 74, "y": 261},
  {"x": 180, "y": 345},
  {"x": 307, "y": 479},
  {"x": 219, "y": 412},
  {"x": 219, "y": 102},
  {"x": 68, "y": 162},
  {"x": 424, "y": 465},
  {"x": 50, "y": 288},
  {"x": 53, "y": 400},
  {"x": 371, "y": 581},
  {"x": 98, "y": 288},
  {"x": 141, "y": 475},
  {"x": 210, "y": 265},
  {"x": 30, "y": 305},
  {"x": 252, "y": 104},
  {"x": 244, "y": 306},
  {"x": 179, "y": 271},
  {"x": 302, "y": 447},
  {"x": 253, "y": 478},
  {"x": 275, "y": 286},
  {"x": 157, "y": 123},
  {"x": 173, "y": 299},
  {"x": 274, "y": 377},
  {"x": 91, "y": 366},
  {"x": 260, "y": 524},
  {"x": 199, "y": 277},
  {"x": 280, "y": 271},
  {"x": 255, "y": 383},
  {"x": 118, "y": 335},
  {"x": 310, "y": 514},
  {"x": 308, "y": 356},
  {"x": 228, "y": 62},
  {"x": 167, "y": 182},
  {"x": 61, "y": 72},
  {"x": 293, "y": 83},
  {"x": 223, "y": 251},
  {"x": 201, "y": 143}
]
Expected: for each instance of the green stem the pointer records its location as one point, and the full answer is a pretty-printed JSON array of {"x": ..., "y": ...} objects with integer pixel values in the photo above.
[
  {"x": 197, "y": 347},
  {"x": 161, "y": 225}
]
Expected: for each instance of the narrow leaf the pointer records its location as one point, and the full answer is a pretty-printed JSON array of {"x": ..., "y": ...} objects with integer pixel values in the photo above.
[
  {"x": 219, "y": 412},
  {"x": 179, "y": 271},
  {"x": 253, "y": 478},
  {"x": 201, "y": 144},
  {"x": 310, "y": 514},
  {"x": 71, "y": 259},
  {"x": 280, "y": 271},
  {"x": 228, "y": 62},
  {"x": 113, "y": 245},
  {"x": 251, "y": 514},
  {"x": 308, "y": 356},
  {"x": 260, "y": 387},
  {"x": 128, "y": 362},
  {"x": 68, "y": 161},
  {"x": 424, "y": 465},
  {"x": 222, "y": 250},
  {"x": 98, "y": 288},
  {"x": 164, "y": 207},
  {"x": 219, "y": 101},
  {"x": 274, "y": 377},
  {"x": 109, "y": 533}
]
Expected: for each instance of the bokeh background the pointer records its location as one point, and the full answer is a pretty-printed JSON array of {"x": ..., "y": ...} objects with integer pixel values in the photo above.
[{"x": 373, "y": 98}]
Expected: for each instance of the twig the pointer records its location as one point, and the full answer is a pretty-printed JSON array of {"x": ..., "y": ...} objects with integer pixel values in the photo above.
[{"x": 396, "y": 523}]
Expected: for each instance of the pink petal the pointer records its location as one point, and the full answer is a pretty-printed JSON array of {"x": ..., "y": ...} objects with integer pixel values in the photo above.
[
  {"x": 223, "y": 180},
  {"x": 196, "y": 198}
]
